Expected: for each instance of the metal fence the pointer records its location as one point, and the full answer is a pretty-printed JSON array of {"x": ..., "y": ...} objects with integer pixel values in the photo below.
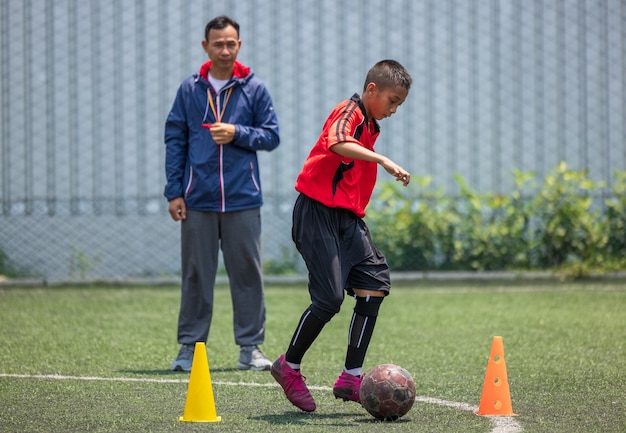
[{"x": 86, "y": 87}]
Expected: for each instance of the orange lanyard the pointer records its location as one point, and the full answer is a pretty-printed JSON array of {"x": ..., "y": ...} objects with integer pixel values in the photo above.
[{"x": 212, "y": 104}]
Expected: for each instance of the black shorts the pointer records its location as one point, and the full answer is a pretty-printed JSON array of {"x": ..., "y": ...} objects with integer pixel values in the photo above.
[{"x": 339, "y": 253}]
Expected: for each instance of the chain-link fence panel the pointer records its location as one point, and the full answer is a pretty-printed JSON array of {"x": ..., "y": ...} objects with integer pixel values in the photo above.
[{"x": 86, "y": 88}]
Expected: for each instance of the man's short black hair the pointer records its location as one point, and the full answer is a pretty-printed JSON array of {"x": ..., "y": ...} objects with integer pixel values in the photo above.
[{"x": 220, "y": 23}]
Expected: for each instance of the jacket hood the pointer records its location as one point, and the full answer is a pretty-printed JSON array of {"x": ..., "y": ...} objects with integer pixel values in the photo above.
[{"x": 240, "y": 70}]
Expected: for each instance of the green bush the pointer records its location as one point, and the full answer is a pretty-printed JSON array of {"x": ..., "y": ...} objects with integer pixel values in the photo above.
[
  {"x": 552, "y": 226},
  {"x": 614, "y": 223},
  {"x": 567, "y": 233},
  {"x": 493, "y": 227},
  {"x": 413, "y": 223},
  {"x": 6, "y": 269}
]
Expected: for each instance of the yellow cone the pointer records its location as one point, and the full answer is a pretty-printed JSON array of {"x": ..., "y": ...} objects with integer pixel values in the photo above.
[
  {"x": 496, "y": 397},
  {"x": 200, "y": 404}
]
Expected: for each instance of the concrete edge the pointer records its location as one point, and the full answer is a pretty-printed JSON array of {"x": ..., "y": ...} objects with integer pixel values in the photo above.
[{"x": 439, "y": 276}]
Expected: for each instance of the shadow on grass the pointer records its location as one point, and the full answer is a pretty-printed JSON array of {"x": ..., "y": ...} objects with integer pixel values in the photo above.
[
  {"x": 225, "y": 370},
  {"x": 304, "y": 418},
  {"x": 168, "y": 372}
]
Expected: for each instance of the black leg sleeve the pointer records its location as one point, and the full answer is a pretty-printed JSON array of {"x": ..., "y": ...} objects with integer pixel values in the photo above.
[
  {"x": 307, "y": 331},
  {"x": 361, "y": 330}
]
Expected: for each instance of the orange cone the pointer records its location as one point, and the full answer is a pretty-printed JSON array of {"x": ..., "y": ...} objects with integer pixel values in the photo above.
[
  {"x": 496, "y": 398},
  {"x": 200, "y": 404}
]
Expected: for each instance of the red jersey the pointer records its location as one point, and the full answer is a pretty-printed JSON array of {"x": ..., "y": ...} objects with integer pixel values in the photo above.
[{"x": 335, "y": 180}]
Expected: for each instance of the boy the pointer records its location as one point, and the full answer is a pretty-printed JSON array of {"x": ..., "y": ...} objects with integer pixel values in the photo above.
[{"x": 335, "y": 186}]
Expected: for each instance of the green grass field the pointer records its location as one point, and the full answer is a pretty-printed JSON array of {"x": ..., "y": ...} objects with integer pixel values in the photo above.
[{"x": 96, "y": 359}]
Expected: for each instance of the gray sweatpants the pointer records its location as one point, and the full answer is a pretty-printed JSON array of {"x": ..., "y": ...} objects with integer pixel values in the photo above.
[{"x": 238, "y": 234}]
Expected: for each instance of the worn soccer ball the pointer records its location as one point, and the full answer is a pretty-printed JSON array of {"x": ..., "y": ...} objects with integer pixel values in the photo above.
[{"x": 387, "y": 392}]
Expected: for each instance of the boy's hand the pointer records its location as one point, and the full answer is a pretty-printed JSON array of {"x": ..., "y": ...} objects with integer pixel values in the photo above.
[{"x": 396, "y": 171}]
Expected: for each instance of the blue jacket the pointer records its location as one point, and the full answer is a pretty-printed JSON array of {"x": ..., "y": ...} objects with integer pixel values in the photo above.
[{"x": 211, "y": 177}]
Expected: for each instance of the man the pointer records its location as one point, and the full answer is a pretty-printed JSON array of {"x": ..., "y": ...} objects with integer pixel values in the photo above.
[{"x": 220, "y": 118}]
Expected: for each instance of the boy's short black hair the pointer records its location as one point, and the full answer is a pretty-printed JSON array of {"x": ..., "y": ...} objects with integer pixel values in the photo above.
[
  {"x": 388, "y": 73},
  {"x": 220, "y": 23}
]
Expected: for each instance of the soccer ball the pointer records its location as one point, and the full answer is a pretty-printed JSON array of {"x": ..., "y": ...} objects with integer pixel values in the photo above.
[{"x": 387, "y": 392}]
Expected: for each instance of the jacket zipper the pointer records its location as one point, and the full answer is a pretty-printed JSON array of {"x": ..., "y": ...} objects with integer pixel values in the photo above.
[{"x": 218, "y": 112}]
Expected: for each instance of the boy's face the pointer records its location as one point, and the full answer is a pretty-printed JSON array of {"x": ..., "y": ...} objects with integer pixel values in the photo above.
[
  {"x": 381, "y": 103},
  {"x": 222, "y": 47}
]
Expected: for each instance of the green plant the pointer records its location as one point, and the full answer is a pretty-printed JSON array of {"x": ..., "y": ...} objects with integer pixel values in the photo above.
[
  {"x": 566, "y": 230},
  {"x": 80, "y": 264},
  {"x": 7, "y": 269},
  {"x": 408, "y": 227},
  {"x": 552, "y": 226},
  {"x": 614, "y": 224},
  {"x": 616, "y": 216},
  {"x": 3, "y": 264},
  {"x": 493, "y": 229}
]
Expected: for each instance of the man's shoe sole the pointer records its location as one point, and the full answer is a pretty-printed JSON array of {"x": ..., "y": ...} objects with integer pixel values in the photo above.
[
  {"x": 241, "y": 366},
  {"x": 179, "y": 368}
]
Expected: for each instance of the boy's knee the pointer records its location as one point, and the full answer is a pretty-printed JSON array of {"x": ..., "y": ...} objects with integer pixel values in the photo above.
[
  {"x": 325, "y": 308},
  {"x": 322, "y": 314},
  {"x": 368, "y": 306}
]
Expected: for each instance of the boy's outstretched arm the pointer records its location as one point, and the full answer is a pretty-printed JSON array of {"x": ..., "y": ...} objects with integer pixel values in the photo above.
[
  {"x": 396, "y": 171},
  {"x": 353, "y": 150}
]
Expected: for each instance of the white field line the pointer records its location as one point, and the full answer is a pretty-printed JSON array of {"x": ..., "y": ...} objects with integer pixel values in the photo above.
[{"x": 501, "y": 424}]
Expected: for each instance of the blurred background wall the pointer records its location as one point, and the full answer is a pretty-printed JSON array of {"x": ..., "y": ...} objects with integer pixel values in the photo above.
[{"x": 86, "y": 87}]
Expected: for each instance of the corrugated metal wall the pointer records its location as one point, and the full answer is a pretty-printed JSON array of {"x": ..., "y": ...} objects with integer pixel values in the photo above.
[{"x": 86, "y": 86}]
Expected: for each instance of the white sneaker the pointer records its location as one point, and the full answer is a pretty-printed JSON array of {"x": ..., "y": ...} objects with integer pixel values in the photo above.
[{"x": 252, "y": 358}]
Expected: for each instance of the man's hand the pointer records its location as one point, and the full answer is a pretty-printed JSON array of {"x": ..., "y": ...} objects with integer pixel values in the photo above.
[
  {"x": 178, "y": 209},
  {"x": 223, "y": 133}
]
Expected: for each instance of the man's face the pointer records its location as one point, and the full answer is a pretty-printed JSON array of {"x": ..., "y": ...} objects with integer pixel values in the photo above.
[{"x": 222, "y": 48}]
